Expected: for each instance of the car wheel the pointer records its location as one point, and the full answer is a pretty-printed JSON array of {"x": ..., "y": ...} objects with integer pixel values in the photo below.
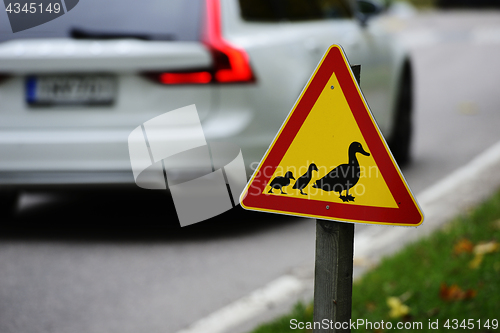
[
  {"x": 400, "y": 142},
  {"x": 8, "y": 202}
]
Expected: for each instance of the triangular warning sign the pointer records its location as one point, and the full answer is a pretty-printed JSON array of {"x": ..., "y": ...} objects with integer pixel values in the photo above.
[{"x": 329, "y": 159}]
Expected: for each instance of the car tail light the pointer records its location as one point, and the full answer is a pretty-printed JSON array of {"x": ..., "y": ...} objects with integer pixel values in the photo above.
[
  {"x": 188, "y": 77},
  {"x": 231, "y": 64}
]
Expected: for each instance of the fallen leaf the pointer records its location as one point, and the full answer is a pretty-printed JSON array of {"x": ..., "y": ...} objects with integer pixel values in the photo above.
[
  {"x": 463, "y": 246},
  {"x": 397, "y": 308},
  {"x": 476, "y": 262},
  {"x": 470, "y": 293},
  {"x": 455, "y": 293},
  {"x": 371, "y": 306},
  {"x": 485, "y": 248},
  {"x": 480, "y": 250}
]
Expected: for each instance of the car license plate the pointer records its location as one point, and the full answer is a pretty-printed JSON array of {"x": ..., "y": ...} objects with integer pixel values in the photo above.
[{"x": 48, "y": 90}]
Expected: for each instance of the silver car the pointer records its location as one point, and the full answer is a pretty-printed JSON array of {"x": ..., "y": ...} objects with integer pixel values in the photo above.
[{"x": 73, "y": 89}]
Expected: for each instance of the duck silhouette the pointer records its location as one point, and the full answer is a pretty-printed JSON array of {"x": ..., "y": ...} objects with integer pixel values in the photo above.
[
  {"x": 280, "y": 182},
  {"x": 303, "y": 180},
  {"x": 344, "y": 176}
]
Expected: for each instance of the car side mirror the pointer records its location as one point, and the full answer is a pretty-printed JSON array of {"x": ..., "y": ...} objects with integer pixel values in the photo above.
[{"x": 368, "y": 9}]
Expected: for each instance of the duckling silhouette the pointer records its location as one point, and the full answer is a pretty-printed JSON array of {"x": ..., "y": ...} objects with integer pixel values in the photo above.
[
  {"x": 303, "y": 180},
  {"x": 344, "y": 176},
  {"x": 279, "y": 182}
]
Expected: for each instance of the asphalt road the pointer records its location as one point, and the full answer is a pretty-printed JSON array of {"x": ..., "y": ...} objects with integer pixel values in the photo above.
[{"x": 111, "y": 262}]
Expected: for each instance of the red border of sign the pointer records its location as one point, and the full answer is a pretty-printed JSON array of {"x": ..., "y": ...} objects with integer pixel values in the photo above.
[{"x": 255, "y": 198}]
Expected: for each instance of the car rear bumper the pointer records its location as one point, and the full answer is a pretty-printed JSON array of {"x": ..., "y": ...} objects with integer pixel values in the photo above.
[
  {"x": 58, "y": 157},
  {"x": 53, "y": 158}
]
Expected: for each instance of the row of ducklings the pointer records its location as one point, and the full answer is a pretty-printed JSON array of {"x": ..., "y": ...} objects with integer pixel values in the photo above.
[
  {"x": 282, "y": 181},
  {"x": 340, "y": 178}
]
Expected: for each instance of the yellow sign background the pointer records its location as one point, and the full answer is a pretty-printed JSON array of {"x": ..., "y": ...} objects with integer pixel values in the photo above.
[{"x": 324, "y": 139}]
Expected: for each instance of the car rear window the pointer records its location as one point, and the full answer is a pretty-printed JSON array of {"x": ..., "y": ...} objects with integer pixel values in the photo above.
[
  {"x": 108, "y": 19},
  {"x": 294, "y": 10}
]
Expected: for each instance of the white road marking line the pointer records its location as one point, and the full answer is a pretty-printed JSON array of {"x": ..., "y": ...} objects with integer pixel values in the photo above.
[
  {"x": 249, "y": 306},
  {"x": 465, "y": 187}
]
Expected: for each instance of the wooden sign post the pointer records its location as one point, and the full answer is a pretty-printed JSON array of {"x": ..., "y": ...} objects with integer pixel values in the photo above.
[{"x": 333, "y": 275}]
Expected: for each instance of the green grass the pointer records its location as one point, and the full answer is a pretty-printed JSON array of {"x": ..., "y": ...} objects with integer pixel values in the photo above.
[{"x": 415, "y": 275}]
